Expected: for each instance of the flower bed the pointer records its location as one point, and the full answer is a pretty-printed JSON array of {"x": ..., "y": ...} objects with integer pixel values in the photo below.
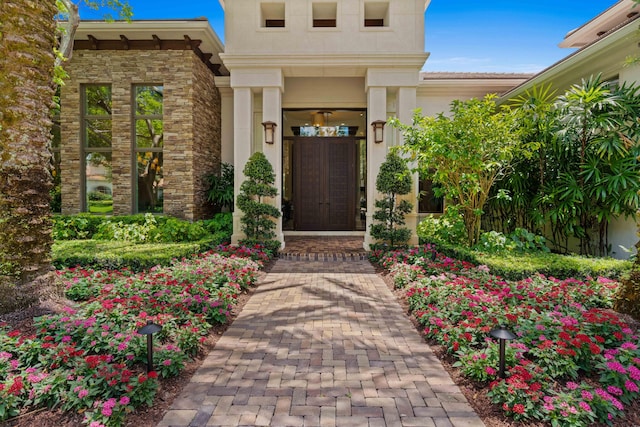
[
  {"x": 91, "y": 360},
  {"x": 574, "y": 361}
]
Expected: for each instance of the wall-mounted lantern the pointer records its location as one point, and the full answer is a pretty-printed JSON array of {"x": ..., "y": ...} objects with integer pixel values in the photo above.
[
  {"x": 269, "y": 132},
  {"x": 502, "y": 334},
  {"x": 378, "y": 131},
  {"x": 149, "y": 329}
]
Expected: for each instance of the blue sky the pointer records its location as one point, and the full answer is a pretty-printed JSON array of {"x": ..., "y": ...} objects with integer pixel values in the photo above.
[{"x": 461, "y": 35}]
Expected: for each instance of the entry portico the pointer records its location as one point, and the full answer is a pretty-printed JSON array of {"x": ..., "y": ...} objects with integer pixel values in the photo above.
[{"x": 323, "y": 57}]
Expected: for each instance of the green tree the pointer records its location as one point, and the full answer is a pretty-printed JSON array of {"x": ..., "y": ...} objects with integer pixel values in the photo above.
[
  {"x": 28, "y": 59},
  {"x": 465, "y": 153},
  {"x": 26, "y": 101},
  {"x": 257, "y": 219},
  {"x": 393, "y": 180},
  {"x": 598, "y": 151},
  {"x": 513, "y": 202}
]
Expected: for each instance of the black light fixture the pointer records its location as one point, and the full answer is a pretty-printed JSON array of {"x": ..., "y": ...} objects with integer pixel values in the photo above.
[
  {"x": 378, "y": 131},
  {"x": 269, "y": 131},
  {"x": 149, "y": 329},
  {"x": 502, "y": 334}
]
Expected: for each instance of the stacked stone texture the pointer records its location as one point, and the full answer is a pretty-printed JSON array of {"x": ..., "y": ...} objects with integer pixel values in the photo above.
[{"x": 191, "y": 126}]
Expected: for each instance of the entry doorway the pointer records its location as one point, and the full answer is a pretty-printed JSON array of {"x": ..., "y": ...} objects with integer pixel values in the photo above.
[
  {"x": 324, "y": 176},
  {"x": 324, "y": 169}
]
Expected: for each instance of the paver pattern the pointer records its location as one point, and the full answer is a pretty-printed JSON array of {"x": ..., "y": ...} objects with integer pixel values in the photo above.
[{"x": 321, "y": 343}]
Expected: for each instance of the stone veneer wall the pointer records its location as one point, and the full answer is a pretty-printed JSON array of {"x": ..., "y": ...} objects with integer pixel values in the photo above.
[{"x": 191, "y": 125}]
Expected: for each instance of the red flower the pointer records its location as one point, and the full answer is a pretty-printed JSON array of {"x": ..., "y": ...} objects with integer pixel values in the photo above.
[
  {"x": 16, "y": 387},
  {"x": 518, "y": 408},
  {"x": 564, "y": 336},
  {"x": 153, "y": 374}
]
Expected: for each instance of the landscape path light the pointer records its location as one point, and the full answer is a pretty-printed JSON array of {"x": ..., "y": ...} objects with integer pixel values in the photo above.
[
  {"x": 502, "y": 334},
  {"x": 149, "y": 329}
]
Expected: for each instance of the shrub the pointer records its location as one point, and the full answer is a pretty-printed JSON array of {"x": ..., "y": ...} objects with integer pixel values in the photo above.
[
  {"x": 392, "y": 181},
  {"x": 520, "y": 240},
  {"x": 176, "y": 230},
  {"x": 257, "y": 216},
  {"x": 448, "y": 227},
  {"x": 116, "y": 255},
  {"x": 80, "y": 226},
  {"x": 133, "y": 232},
  {"x": 220, "y": 223},
  {"x": 96, "y": 196},
  {"x": 221, "y": 188},
  {"x": 271, "y": 247}
]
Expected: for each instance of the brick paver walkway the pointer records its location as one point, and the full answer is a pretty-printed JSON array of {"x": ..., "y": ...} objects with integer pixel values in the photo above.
[{"x": 321, "y": 344}]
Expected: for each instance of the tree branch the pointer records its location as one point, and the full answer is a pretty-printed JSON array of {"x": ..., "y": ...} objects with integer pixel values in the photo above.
[{"x": 68, "y": 31}]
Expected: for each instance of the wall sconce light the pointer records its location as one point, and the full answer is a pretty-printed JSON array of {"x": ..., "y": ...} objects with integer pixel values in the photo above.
[
  {"x": 502, "y": 334},
  {"x": 378, "y": 131},
  {"x": 149, "y": 329},
  {"x": 269, "y": 132}
]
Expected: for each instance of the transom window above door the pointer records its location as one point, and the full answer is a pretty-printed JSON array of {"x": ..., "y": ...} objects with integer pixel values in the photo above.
[{"x": 325, "y": 122}]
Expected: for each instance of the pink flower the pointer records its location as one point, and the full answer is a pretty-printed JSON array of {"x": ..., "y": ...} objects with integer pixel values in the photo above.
[
  {"x": 586, "y": 395},
  {"x": 571, "y": 385},
  {"x": 615, "y": 402},
  {"x": 124, "y": 400},
  {"x": 83, "y": 393},
  {"x": 616, "y": 367},
  {"x": 616, "y": 391},
  {"x": 166, "y": 362},
  {"x": 585, "y": 406},
  {"x": 631, "y": 386},
  {"x": 489, "y": 370}
]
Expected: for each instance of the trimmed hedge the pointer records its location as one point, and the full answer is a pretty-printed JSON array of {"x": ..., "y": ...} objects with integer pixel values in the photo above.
[
  {"x": 518, "y": 266},
  {"x": 101, "y": 254},
  {"x": 141, "y": 227}
]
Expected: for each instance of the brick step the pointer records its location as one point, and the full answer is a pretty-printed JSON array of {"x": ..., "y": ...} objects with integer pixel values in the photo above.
[{"x": 323, "y": 256}]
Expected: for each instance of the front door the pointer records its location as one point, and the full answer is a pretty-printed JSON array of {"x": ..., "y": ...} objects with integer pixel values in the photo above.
[{"x": 324, "y": 176}]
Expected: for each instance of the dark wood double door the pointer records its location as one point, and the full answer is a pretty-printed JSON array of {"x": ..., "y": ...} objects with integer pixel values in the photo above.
[{"x": 324, "y": 177}]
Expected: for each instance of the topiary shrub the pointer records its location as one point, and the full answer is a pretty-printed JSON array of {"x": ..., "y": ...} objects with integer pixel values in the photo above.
[
  {"x": 257, "y": 219},
  {"x": 393, "y": 180}
]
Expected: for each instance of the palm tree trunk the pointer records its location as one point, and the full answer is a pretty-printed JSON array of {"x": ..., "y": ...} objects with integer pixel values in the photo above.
[{"x": 27, "y": 39}]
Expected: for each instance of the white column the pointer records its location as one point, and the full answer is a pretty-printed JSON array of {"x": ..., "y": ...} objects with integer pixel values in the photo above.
[
  {"x": 272, "y": 111},
  {"x": 406, "y": 104},
  {"x": 376, "y": 152},
  {"x": 242, "y": 142}
]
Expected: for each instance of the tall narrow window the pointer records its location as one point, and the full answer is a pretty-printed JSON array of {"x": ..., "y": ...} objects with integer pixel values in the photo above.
[
  {"x": 56, "y": 194},
  {"x": 148, "y": 148},
  {"x": 96, "y": 148}
]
